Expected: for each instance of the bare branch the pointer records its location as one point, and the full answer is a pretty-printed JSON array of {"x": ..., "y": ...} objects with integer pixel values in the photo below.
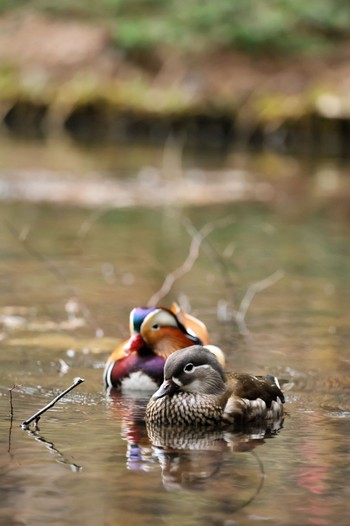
[
  {"x": 37, "y": 415},
  {"x": 249, "y": 296},
  {"x": 198, "y": 237},
  {"x": 214, "y": 254},
  {"x": 185, "y": 267},
  {"x": 259, "y": 286}
]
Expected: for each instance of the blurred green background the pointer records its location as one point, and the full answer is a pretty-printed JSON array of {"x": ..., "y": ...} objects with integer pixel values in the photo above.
[{"x": 277, "y": 26}]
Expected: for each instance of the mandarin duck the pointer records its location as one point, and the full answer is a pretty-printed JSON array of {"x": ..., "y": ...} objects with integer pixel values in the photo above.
[
  {"x": 196, "y": 392},
  {"x": 156, "y": 332}
]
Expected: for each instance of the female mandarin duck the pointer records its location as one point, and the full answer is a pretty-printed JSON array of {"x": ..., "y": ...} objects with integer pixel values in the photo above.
[
  {"x": 138, "y": 363},
  {"x": 196, "y": 392}
]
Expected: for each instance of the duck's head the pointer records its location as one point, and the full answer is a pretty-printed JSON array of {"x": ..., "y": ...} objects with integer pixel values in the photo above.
[
  {"x": 163, "y": 333},
  {"x": 193, "y": 370},
  {"x": 137, "y": 317},
  {"x": 135, "y": 342}
]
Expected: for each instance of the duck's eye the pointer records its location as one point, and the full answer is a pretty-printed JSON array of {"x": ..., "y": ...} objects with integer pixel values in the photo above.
[
  {"x": 189, "y": 368},
  {"x": 155, "y": 327}
]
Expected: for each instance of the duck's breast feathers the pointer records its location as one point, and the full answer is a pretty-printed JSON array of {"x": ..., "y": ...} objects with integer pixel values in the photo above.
[
  {"x": 133, "y": 344},
  {"x": 135, "y": 371}
]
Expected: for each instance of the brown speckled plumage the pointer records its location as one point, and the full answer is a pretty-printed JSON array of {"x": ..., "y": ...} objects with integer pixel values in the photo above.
[
  {"x": 196, "y": 392},
  {"x": 185, "y": 409}
]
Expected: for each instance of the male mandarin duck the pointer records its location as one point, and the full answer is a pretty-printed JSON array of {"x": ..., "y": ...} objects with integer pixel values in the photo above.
[
  {"x": 196, "y": 392},
  {"x": 156, "y": 332}
]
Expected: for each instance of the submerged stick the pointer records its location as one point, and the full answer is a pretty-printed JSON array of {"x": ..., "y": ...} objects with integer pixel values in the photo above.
[
  {"x": 214, "y": 254},
  {"x": 186, "y": 266},
  {"x": 37, "y": 415},
  {"x": 11, "y": 401},
  {"x": 198, "y": 238},
  {"x": 249, "y": 296}
]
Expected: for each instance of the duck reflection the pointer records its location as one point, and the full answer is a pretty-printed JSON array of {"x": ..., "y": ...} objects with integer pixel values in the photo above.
[
  {"x": 189, "y": 458},
  {"x": 130, "y": 412}
]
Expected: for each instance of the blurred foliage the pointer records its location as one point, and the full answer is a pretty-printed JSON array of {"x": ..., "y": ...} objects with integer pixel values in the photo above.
[{"x": 281, "y": 26}]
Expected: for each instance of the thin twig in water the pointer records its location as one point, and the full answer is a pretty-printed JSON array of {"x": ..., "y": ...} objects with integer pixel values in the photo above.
[
  {"x": 11, "y": 401},
  {"x": 11, "y": 415},
  {"x": 37, "y": 415},
  {"x": 55, "y": 270},
  {"x": 249, "y": 296},
  {"x": 239, "y": 316},
  {"x": 187, "y": 265}
]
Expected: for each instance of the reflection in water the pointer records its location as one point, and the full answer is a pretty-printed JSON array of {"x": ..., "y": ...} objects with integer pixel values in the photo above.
[
  {"x": 194, "y": 465},
  {"x": 236, "y": 439},
  {"x": 60, "y": 457},
  {"x": 189, "y": 458},
  {"x": 130, "y": 412},
  {"x": 299, "y": 330}
]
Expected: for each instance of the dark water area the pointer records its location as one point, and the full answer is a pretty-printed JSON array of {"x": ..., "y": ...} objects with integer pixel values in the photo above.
[{"x": 66, "y": 292}]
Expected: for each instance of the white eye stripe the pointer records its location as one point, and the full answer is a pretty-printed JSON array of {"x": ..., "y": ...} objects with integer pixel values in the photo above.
[
  {"x": 161, "y": 318},
  {"x": 190, "y": 368}
]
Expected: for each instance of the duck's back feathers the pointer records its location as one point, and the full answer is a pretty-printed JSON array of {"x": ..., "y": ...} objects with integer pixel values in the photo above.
[
  {"x": 252, "y": 387},
  {"x": 191, "y": 323},
  {"x": 253, "y": 398}
]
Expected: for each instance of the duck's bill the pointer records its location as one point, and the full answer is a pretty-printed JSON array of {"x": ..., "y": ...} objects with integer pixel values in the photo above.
[{"x": 167, "y": 388}]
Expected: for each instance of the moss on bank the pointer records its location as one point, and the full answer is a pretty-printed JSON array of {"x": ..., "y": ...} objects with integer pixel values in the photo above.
[{"x": 235, "y": 69}]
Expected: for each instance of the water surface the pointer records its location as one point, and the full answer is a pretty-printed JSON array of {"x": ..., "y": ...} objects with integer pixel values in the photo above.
[{"x": 92, "y": 461}]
